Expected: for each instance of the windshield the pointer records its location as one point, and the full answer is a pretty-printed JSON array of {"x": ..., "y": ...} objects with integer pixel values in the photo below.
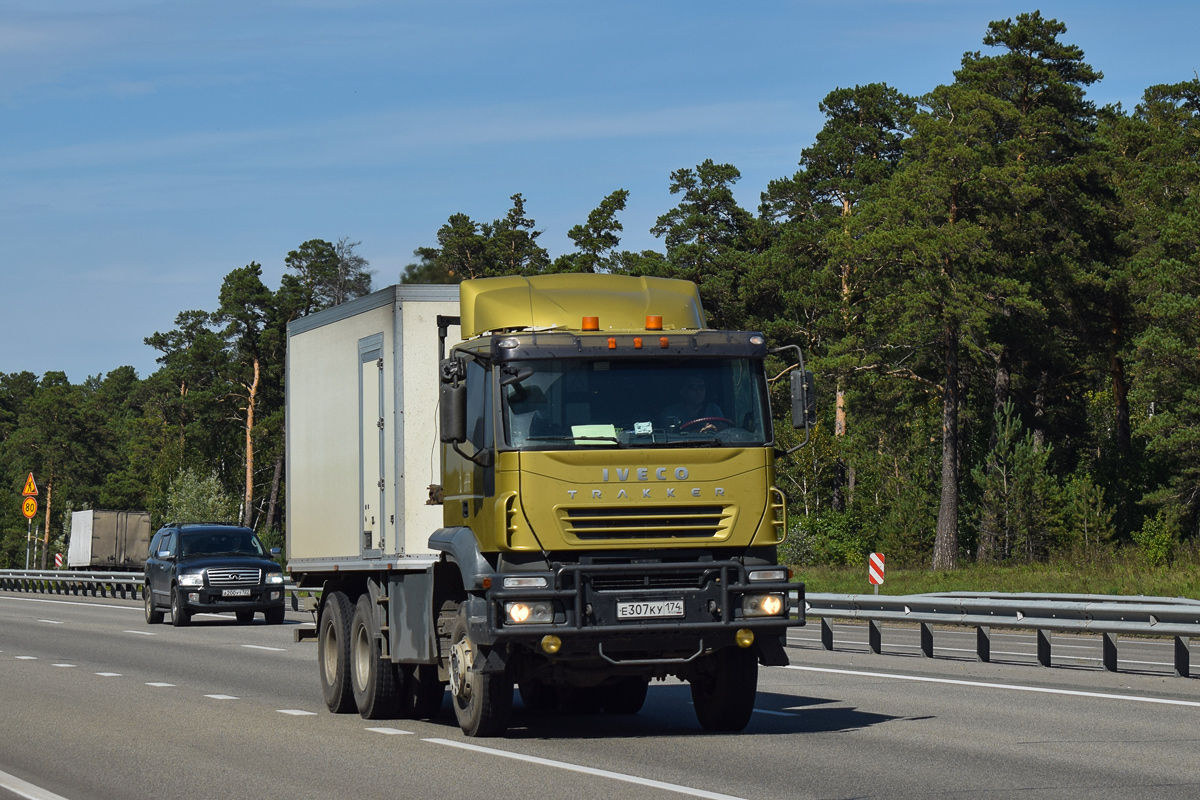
[
  {"x": 660, "y": 402},
  {"x": 213, "y": 543}
]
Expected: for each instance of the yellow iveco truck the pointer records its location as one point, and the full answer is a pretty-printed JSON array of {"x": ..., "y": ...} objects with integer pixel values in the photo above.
[{"x": 562, "y": 483}]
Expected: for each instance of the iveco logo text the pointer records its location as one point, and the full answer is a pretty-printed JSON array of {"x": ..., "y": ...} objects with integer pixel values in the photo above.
[{"x": 643, "y": 473}]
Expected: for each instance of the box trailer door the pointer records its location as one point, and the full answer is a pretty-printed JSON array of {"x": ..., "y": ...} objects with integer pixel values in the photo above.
[{"x": 371, "y": 445}]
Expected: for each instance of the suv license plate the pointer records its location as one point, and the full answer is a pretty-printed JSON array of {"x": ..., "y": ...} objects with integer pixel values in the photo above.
[
  {"x": 235, "y": 593},
  {"x": 648, "y": 609}
]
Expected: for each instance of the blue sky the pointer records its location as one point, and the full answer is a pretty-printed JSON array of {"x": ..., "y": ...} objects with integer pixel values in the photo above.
[{"x": 148, "y": 148}]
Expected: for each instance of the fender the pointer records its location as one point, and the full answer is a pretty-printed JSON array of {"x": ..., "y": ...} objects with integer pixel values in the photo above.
[{"x": 462, "y": 548}]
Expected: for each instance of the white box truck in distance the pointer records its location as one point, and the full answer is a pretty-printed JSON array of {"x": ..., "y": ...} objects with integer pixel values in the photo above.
[{"x": 563, "y": 483}]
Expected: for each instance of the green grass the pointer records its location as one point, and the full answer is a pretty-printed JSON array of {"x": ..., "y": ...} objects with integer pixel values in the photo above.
[{"x": 1097, "y": 573}]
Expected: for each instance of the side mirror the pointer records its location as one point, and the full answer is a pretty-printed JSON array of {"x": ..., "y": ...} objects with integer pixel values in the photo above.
[
  {"x": 453, "y": 405},
  {"x": 275, "y": 551},
  {"x": 165, "y": 555},
  {"x": 804, "y": 399}
]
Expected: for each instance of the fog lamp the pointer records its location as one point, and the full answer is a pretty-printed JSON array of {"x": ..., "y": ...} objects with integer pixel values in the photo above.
[
  {"x": 551, "y": 644},
  {"x": 744, "y": 637}
]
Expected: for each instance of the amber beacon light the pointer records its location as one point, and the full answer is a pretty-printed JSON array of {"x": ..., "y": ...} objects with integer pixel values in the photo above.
[{"x": 653, "y": 323}]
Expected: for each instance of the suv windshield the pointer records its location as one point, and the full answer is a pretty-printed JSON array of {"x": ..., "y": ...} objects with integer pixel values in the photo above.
[
  {"x": 663, "y": 402},
  {"x": 220, "y": 543}
]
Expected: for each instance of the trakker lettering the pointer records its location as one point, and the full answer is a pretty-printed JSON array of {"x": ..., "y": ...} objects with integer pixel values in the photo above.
[{"x": 695, "y": 491}]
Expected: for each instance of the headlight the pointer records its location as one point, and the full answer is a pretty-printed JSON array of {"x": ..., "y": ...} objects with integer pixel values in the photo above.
[
  {"x": 518, "y": 613},
  {"x": 274, "y": 577},
  {"x": 763, "y": 605},
  {"x": 778, "y": 574},
  {"x": 191, "y": 579}
]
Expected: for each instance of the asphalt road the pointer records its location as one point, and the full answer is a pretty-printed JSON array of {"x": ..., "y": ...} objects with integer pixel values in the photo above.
[{"x": 99, "y": 705}]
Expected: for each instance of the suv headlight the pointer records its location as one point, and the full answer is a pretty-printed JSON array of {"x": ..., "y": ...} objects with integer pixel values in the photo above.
[
  {"x": 275, "y": 577},
  {"x": 191, "y": 579}
]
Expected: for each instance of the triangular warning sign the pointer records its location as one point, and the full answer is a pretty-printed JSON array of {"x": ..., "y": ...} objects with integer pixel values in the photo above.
[{"x": 30, "y": 486}]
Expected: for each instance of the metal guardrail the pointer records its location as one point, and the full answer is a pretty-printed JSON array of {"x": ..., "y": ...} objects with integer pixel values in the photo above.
[
  {"x": 1104, "y": 614},
  {"x": 1109, "y": 615},
  {"x": 126, "y": 585}
]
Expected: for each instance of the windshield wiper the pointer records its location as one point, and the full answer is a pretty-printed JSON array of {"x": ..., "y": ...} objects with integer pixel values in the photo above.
[
  {"x": 612, "y": 439},
  {"x": 709, "y": 442}
]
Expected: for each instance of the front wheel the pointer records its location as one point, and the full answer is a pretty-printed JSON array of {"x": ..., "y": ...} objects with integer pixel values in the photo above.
[
  {"x": 179, "y": 616},
  {"x": 724, "y": 695},
  {"x": 154, "y": 616},
  {"x": 482, "y": 701},
  {"x": 274, "y": 615},
  {"x": 333, "y": 652},
  {"x": 245, "y": 616},
  {"x": 626, "y": 696}
]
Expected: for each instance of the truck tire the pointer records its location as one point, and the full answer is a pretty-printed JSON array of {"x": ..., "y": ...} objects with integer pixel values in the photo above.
[
  {"x": 482, "y": 701},
  {"x": 333, "y": 653},
  {"x": 422, "y": 694},
  {"x": 538, "y": 696},
  {"x": 724, "y": 697},
  {"x": 154, "y": 616},
  {"x": 625, "y": 697},
  {"x": 372, "y": 677},
  {"x": 179, "y": 616}
]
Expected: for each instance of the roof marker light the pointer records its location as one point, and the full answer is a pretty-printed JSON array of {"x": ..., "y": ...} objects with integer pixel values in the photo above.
[
  {"x": 591, "y": 323},
  {"x": 653, "y": 322}
]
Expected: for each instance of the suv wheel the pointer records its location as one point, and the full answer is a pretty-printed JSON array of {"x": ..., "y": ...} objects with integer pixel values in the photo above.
[
  {"x": 179, "y": 617},
  {"x": 154, "y": 616}
]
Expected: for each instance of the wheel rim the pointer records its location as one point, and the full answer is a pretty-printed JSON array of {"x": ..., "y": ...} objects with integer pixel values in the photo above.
[
  {"x": 329, "y": 649},
  {"x": 460, "y": 662},
  {"x": 362, "y": 657}
]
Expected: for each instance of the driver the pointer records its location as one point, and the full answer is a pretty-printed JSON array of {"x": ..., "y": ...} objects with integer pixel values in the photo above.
[{"x": 691, "y": 405}]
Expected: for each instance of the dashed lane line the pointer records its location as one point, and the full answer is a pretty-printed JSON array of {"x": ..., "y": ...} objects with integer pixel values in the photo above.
[
  {"x": 600, "y": 773},
  {"x": 160, "y": 685},
  {"x": 109, "y": 674},
  {"x": 25, "y": 789},
  {"x": 391, "y": 731},
  {"x": 221, "y": 696},
  {"x": 264, "y": 647},
  {"x": 141, "y": 633},
  {"x": 51, "y": 621},
  {"x": 296, "y": 712}
]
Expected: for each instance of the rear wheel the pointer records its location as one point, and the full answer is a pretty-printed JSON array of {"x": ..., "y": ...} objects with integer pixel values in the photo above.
[
  {"x": 724, "y": 696},
  {"x": 482, "y": 701},
  {"x": 333, "y": 652},
  {"x": 625, "y": 697},
  {"x": 422, "y": 694},
  {"x": 179, "y": 615},
  {"x": 245, "y": 616},
  {"x": 372, "y": 678},
  {"x": 154, "y": 616}
]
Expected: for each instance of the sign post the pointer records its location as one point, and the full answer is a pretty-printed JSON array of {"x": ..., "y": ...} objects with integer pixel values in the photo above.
[
  {"x": 875, "y": 570},
  {"x": 29, "y": 509}
]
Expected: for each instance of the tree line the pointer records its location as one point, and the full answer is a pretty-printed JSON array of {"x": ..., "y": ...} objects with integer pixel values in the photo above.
[{"x": 996, "y": 282}]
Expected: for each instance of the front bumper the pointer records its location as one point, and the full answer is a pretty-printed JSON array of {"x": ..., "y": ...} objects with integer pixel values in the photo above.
[
  {"x": 585, "y": 599},
  {"x": 207, "y": 598}
]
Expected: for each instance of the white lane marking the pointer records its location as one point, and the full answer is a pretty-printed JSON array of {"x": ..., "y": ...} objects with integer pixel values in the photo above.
[
  {"x": 773, "y": 713},
  {"x": 142, "y": 633},
  {"x": 391, "y": 731},
  {"x": 1010, "y": 686},
  {"x": 602, "y": 773},
  {"x": 296, "y": 712},
  {"x": 69, "y": 603},
  {"x": 264, "y": 647},
  {"x": 51, "y": 621},
  {"x": 26, "y": 790},
  {"x": 221, "y": 696},
  {"x": 109, "y": 674},
  {"x": 160, "y": 684},
  {"x": 26, "y": 658},
  {"x": 64, "y": 665}
]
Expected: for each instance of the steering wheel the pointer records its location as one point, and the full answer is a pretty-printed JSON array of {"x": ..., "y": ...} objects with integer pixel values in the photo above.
[{"x": 702, "y": 421}]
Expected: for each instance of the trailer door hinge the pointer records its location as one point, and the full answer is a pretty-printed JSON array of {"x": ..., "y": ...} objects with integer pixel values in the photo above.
[
  {"x": 379, "y": 364},
  {"x": 381, "y": 483},
  {"x": 380, "y": 423}
]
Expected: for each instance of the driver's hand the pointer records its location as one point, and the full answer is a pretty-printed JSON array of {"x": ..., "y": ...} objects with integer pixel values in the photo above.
[{"x": 708, "y": 428}]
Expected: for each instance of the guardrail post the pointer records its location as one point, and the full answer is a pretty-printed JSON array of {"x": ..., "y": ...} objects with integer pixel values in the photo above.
[
  {"x": 1183, "y": 658},
  {"x": 826, "y": 634},
  {"x": 1109, "y": 652},
  {"x": 983, "y": 643},
  {"x": 875, "y": 636},
  {"x": 926, "y": 640},
  {"x": 1043, "y": 647}
]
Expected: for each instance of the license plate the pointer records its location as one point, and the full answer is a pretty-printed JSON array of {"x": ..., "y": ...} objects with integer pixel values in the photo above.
[
  {"x": 235, "y": 593},
  {"x": 649, "y": 609}
]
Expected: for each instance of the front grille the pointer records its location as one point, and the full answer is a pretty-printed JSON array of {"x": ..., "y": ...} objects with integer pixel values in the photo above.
[
  {"x": 617, "y": 582},
  {"x": 640, "y": 522},
  {"x": 249, "y": 576}
]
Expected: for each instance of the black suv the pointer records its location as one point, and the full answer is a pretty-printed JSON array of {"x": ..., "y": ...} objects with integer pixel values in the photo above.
[{"x": 209, "y": 567}]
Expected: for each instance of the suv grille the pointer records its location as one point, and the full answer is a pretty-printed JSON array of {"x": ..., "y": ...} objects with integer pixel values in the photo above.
[
  {"x": 640, "y": 522},
  {"x": 248, "y": 576}
]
